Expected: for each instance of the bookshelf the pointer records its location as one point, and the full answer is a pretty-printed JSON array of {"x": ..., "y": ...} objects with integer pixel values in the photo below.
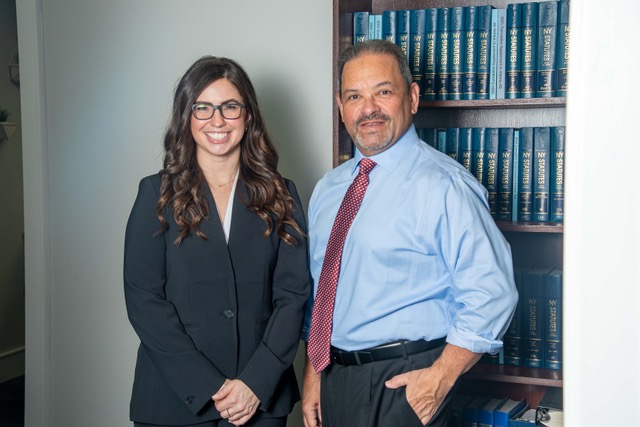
[{"x": 533, "y": 244}]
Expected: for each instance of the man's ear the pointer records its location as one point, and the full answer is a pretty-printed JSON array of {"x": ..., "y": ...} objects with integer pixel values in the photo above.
[
  {"x": 414, "y": 94},
  {"x": 339, "y": 102}
]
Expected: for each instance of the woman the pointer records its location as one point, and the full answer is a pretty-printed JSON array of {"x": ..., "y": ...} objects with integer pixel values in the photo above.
[{"x": 216, "y": 270}]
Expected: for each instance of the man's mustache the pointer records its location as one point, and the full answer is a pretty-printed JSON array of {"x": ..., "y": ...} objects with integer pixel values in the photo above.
[{"x": 374, "y": 116}]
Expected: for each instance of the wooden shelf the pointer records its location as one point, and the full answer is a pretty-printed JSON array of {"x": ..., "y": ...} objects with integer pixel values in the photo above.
[
  {"x": 558, "y": 102},
  {"x": 515, "y": 375},
  {"x": 529, "y": 227}
]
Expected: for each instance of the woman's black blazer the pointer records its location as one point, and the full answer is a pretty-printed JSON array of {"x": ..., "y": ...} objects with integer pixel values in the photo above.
[{"x": 206, "y": 311}]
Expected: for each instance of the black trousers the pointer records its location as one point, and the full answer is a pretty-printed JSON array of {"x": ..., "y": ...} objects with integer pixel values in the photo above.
[
  {"x": 267, "y": 422},
  {"x": 355, "y": 396}
]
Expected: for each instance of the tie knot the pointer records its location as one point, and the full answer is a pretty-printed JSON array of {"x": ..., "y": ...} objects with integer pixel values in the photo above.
[{"x": 366, "y": 166}]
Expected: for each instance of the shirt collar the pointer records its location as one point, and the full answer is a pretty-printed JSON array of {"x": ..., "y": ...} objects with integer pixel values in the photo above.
[{"x": 389, "y": 158}]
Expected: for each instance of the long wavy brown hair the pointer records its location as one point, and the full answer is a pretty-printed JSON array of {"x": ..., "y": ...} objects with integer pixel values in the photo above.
[{"x": 183, "y": 185}]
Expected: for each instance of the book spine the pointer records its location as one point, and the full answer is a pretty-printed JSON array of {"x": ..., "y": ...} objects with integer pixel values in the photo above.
[
  {"x": 479, "y": 145},
  {"x": 533, "y": 349},
  {"x": 514, "y": 41},
  {"x": 529, "y": 45},
  {"x": 553, "y": 320},
  {"x": 430, "y": 58},
  {"x": 456, "y": 37},
  {"x": 562, "y": 48},
  {"x": 442, "y": 62},
  {"x": 389, "y": 26},
  {"x": 430, "y": 136},
  {"x": 483, "y": 16},
  {"x": 493, "y": 55},
  {"x": 541, "y": 166},
  {"x": 513, "y": 335},
  {"x": 402, "y": 31},
  {"x": 465, "y": 147},
  {"x": 377, "y": 32},
  {"x": 556, "y": 196},
  {"x": 525, "y": 170},
  {"x": 442, "y": 141},
  {"x": 501, "y": 68},
  {"x": 360, "y": 26},
  {"x": 470, "y": 67},
  {"x": 453, "y": 143},
  {"x": 491, "y": 168},
  {"x": 372, "y": 25},
  {"x": 516, "y": 168},
  {"x": 417, "y": 26},
  {"x": 547, "y": 37},
  {"x": 505, "y": 171}
]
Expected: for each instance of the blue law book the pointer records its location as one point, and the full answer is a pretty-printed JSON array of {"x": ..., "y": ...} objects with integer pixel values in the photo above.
[
  {"x": 486, "y": 415},
  {"x": 471, "y": 412},
  {"x": 547, "y": 37},
  {"x": 562, "y": 48},
  {"x": 541, "y": 173},
  {"x": 417, "y": 28},
  {"x": 505, "y": 174},
  {"x": 389, "y": 26},
  {"x": 441, "y": 144},
  {"x": 429, "y": 80},
  {"x": 483, "y": 51},
  {"x": 506, "y": 411},
  {"x": 556, "y": 188},
  {"x": 529, "y": 48},
  {"x": 525, "y": 418},
  {"x": 469, "y": 67},
  {"x": 533, "y": 344},
  {"x": 491, "y": 160},
  {"x": 453, "y": 143},
  {"x": 552, "y": 323},
  {"x": 465, "y": 147},
  {"x": 442, "y": 54},
  {"x": 516, "y": 168},
  {"x": 360, "y": 26},
  {"x": 512, "y": 340},
  {"x": 514, "y": 41},
  {"x": 403, "y": 30},
  {"x": 430, "y": 136},
  {"x": 456, "y": 40},
  {"x": 525, "y": 177},
  {"x": 458, "y": 402},
  {"x": 477, "y": 157},
  {"x": 493, "y": 55},
  {"x": 501, "y": 67},
  {"x": 375, "y": 21}
]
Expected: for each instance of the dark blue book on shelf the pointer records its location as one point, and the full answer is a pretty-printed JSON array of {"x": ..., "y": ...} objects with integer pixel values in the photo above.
[
  {"x": 429, "y": 135},
  {"x": 417, "y": 27},
  {"x": 541, "y": 173},
  {"x": 465, "y": 147},
  {"x": 403, "y": 30},
  {"x": 456, "y": 37},
  {"x": 525, "y": 177},
  {"x": 516, "y": 167},
  {"x": 389, "y": 26},
  {"x": 483, "y": 48},
  {"x": 430, "y": 57},
  {"x": 556, "y": 196},
  {"x": 486, "y": 415},
  {"x": 533, "y": 337},
  {"x": 360, "y": 26},
  {"x": 471, "y": 412},
  {"x": 458, "y": 402},
  {"x": 562, "y": 48},
  {"x": 525, "y": 418},
  {"x": 442, "y": 54},
  {"x": 512, "y": 341},
  {"x": 514, "y": 59},
  {"x": 492, "y": 145},
  {"x": 506, "y": 411},
  {"x": 553, "y": 320},
  {"x": 441, "y": 144},
  {"x": 477, "y": 156},
  {"x": 529, "y": 48},
  {"x": 469, "y": 67},
  {"x": 505, "y": 174},
  {"x": 453, "y": 141},
  {"x": 547, "y": 37}
]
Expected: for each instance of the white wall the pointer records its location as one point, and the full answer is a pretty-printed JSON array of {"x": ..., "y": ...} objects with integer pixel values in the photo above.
[{"x": 97, "y": 80}]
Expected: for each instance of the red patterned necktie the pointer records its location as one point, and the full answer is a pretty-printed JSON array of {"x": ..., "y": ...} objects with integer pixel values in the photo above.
[{"x": 322, "y": 316}]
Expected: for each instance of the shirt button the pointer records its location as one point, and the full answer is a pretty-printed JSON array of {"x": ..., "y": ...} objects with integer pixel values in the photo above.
[
  {"x": 228, "y": 314},
  {"x": 189, "y": 400}
]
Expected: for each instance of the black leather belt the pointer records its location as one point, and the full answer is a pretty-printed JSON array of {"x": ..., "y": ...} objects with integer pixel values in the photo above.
[{"x": 392, "y": 350}]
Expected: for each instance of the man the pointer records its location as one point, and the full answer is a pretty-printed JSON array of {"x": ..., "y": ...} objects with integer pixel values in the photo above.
[{"x": 423, "y": 284}]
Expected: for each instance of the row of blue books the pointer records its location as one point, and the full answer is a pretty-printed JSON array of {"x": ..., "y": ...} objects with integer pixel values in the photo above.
[
  {"x": 479, "y": 52},
  {"x": 522, "y": 169},
  {"x": 480, "y": 411},
  {"x": 534, "y": 336}
]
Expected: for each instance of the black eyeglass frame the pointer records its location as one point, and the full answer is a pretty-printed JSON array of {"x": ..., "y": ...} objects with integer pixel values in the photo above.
[{"x": 217, "y": 107}]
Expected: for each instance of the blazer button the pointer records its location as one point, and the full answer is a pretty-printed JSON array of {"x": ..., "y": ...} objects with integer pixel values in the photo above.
[
  {"x": 189, "y": 400},
  {"x": 228, "y": 314}
]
